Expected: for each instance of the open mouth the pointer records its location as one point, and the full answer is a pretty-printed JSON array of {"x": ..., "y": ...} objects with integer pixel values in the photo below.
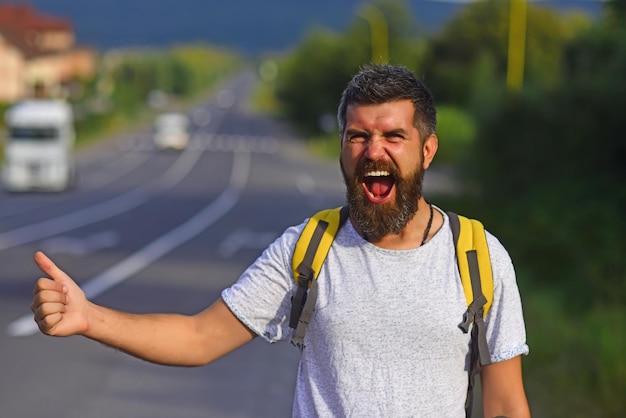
[{"x": 378, "y": 185}]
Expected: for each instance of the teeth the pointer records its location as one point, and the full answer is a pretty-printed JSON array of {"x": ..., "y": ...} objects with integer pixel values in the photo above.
[{"x": 376, "y": 174}]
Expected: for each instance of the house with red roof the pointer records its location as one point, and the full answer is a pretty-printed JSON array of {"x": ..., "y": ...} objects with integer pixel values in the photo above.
[{"x": 38, "y": 54}]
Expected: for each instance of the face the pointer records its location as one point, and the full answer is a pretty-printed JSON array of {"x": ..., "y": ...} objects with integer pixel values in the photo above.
[{"x": 383, "y": 161}]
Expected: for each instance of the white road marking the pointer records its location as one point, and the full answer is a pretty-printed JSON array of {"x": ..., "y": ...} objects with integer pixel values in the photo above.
[
  {"x": 73, "y": 220},
  {"x": 233, "y": 143},
  {"x": 118, "y": 273},
  {"x": 80, "y": 246},
  {"x": 244, "y": 239}
]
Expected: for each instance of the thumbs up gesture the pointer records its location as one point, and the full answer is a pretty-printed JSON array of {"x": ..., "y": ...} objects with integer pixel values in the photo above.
[{"x": 59, "y": 305}]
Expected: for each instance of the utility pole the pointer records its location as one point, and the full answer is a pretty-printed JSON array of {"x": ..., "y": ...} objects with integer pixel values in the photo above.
[
  {"x": 517, "y": 44},
  {"x": 378, "y": 29}
]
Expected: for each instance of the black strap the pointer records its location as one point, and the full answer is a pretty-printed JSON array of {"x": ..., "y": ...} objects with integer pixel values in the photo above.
[
  {"x": 477, "y": 307},
  {"x": 455, "y": 226},
  {"x": 479, "y": 351},
  {"x": 305, "y": 317}
]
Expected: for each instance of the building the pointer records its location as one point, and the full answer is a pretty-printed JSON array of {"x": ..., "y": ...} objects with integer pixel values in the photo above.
[{"x": 38, "y": 55}]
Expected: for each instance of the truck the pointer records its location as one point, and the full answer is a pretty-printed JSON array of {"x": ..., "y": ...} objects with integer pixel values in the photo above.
[{"x": 39, "y": 146}]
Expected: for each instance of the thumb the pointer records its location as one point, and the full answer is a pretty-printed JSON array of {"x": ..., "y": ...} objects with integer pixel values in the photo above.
[{"x": 51, "y": 270}]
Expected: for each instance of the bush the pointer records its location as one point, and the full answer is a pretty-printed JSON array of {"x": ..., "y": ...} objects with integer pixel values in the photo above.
[{"x": 456, "y": 132}]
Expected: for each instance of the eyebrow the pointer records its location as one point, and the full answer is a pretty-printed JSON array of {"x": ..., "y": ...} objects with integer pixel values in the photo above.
[
  {"x": 353, "y": 131},
  {"x": 396, "y": 132}
]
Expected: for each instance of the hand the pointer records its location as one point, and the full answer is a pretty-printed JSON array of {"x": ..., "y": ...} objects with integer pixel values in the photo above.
[{"x": 59, "y": 304}]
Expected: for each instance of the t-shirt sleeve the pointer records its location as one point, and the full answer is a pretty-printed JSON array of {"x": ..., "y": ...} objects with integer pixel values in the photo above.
[
  {"x": 261, "y": 297},
  {"x": 506, "y": 331}
]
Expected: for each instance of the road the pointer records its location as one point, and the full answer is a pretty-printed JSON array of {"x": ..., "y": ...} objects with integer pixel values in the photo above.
[{"x": 148, "y": 230}]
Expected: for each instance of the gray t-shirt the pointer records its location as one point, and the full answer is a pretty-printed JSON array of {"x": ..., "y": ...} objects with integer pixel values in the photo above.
[{"x": 384, "y": 339}]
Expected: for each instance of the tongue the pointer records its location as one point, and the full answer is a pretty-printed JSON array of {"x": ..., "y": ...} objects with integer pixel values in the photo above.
[{"x": 379, "y": 186}]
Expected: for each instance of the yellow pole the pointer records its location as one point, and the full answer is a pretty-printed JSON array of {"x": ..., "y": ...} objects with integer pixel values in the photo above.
[
  {"x": 378, "y": 28},
  {"x": 517, "y": 45}
]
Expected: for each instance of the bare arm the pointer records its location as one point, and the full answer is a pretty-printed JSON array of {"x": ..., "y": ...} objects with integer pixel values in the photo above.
[
  {"x": 61, "y": 309},
  {"x": 503, "y": 390}
]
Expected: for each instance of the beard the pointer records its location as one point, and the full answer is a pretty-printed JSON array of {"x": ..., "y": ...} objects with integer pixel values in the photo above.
[{"x": 379, "y": 220}]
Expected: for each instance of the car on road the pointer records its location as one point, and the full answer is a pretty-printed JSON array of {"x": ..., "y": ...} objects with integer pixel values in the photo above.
[{"x": 171, "y": 131}]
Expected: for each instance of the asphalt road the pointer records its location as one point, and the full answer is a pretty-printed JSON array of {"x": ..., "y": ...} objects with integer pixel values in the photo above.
[{"x": 147, "y": 230}]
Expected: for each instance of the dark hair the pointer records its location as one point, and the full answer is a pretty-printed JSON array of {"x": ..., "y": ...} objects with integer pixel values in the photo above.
[{"x": 382, "y": 83}]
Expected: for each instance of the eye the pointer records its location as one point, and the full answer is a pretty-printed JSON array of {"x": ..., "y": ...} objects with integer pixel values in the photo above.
[
  {"x": 356, "y": 138},
  {"x": 394, "y": 137}
]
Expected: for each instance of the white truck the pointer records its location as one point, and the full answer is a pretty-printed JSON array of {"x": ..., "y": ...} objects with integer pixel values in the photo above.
[{"x": 39, "y": 146}]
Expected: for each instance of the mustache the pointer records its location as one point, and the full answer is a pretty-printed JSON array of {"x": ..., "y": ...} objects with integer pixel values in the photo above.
[{"x": 365, "y": 166}]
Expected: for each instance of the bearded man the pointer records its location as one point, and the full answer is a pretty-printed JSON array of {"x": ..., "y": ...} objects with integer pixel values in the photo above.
[{"x": 384, "y": 339}]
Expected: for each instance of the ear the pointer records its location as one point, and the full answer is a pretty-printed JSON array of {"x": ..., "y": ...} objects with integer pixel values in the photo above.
[{"x": 430, "y": 149}]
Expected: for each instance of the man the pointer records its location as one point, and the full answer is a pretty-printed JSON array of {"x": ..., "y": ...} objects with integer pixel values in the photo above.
[{"x": 384, "y": 339}]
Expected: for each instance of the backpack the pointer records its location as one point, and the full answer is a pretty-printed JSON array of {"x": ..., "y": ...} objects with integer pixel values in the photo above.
[{"x": 473, "y": 261}]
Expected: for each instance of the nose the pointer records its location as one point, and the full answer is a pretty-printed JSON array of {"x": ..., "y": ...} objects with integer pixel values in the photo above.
[{"x": 375, "y": 148}]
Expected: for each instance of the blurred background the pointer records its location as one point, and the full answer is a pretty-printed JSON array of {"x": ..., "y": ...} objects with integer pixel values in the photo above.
[{"x": 154, "y": 109}]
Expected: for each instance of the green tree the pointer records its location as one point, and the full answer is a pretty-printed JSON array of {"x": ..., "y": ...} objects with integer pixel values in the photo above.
[
  {"x": 310, "y": 81},
  {"x": 476, "y": 41}
]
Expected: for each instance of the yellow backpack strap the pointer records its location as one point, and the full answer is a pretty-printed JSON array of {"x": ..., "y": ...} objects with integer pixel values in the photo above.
[
  {"x": 315, "y": 241},
  {"x": 309, "y": 254},
  {"x": 471, "y": 237},
  {"x": 477, "y": 279}
]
